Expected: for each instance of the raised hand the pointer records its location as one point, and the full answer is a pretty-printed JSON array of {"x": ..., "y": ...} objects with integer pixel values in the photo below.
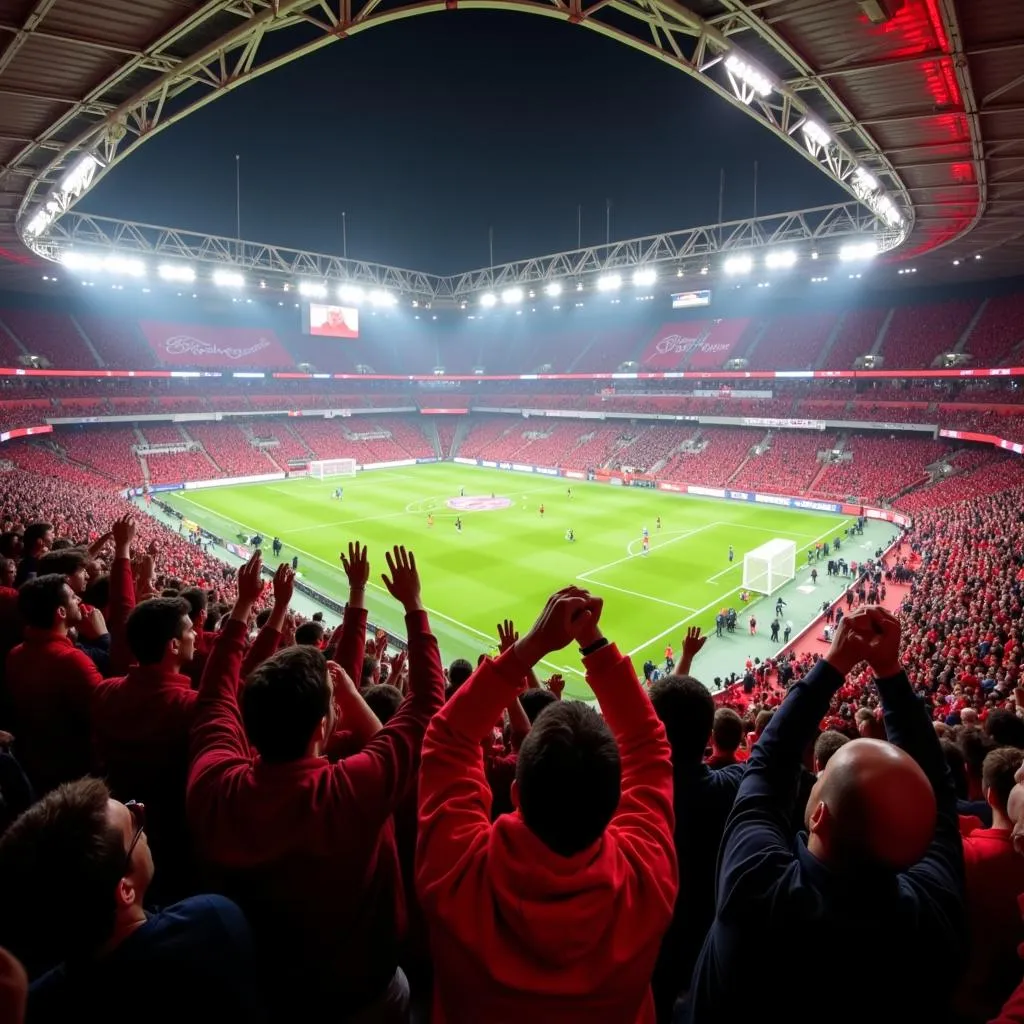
[
  {"x": 882, "y": 635},
  {"x": 340, "y": 678},
  {"x": 507, "y": 635},
  {"x": 284, "y": 586},
  {"x": 124, "y": 533},
  {"x": 558, "y": 625},
  {"x": 250, "y": 582},
  {"x": 93, "y": 625},
  {"x": 404, "y": 583},
  {"x": 356, "y": 565},
  {"x": 693, "y": 644},
  {"x": 850, "y": 645},
  {"x": 556, "y": 684}
]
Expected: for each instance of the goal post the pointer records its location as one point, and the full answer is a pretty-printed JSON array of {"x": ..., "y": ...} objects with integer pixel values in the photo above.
[
  {"x": 768, "y": 567},
  {"x": 323, "y": 468}
]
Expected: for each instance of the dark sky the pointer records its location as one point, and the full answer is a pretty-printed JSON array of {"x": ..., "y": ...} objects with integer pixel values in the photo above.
[{"x": 428, "y": 131}]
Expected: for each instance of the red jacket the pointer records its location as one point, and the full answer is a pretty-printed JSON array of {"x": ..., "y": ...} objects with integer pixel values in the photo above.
[
  {"x": 519, "y": 933},
  {"x": 49, "y": 684},
  {"x": 994, "y": 878},
  {"x": 308, "y": 847}
]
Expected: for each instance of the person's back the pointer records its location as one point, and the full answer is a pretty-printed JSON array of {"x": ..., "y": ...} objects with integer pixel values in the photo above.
[{"x": 555, "y": 913}]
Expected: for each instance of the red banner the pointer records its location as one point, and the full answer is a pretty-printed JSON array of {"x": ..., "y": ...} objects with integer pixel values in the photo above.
[
  {"x": 696, "y": 344},
  {"x": 198, "y": 345}
]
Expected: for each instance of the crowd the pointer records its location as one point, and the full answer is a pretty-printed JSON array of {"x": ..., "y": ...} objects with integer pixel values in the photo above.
[{"x": 211, "y": 809}]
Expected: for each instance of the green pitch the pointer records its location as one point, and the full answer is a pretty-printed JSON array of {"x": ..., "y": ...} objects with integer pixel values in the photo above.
[{"x": 507, "y": 560}]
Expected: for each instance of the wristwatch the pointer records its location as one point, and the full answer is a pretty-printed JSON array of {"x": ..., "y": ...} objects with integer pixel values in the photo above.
[{"x": 595, "y": 646}]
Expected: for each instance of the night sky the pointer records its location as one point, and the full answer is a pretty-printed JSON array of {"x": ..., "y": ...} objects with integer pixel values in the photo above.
[{"x": 429, "y": 131}]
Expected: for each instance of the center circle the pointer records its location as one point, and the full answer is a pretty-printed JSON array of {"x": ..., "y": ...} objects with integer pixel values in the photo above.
[{"x": 478, "y": 503}]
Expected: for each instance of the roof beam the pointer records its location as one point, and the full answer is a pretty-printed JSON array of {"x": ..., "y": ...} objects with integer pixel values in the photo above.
[{"x": 32, "y": 22}]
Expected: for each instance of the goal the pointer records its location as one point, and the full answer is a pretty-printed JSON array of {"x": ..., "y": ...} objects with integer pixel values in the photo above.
[
  {"x": 323, "y": 468},
  {"x": 766, "y": 568}
]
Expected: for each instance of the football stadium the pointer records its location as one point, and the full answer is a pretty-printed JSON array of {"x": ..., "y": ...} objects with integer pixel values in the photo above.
[{"x": 538, "y": 636}]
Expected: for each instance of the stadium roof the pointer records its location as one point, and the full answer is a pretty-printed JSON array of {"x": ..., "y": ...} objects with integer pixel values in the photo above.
[{"x": 927, "y": 96}]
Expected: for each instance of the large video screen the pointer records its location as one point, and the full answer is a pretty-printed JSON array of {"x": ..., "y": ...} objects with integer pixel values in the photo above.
[
  {"x": 332, "y": 321},
  {"x": 688, "y": 300}
]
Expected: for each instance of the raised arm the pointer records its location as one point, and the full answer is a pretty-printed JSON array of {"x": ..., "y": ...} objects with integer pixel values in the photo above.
[
  {"x": 645, "y": 818},
  {"x": 756, "y": 846},
  {"x": 350, "y": 646},
  {"x": 268, "y": 639},
  {"x": 218, "y": 742},
  {"x": 122, "y": 595},
  {"x": 386, "y": 767}
]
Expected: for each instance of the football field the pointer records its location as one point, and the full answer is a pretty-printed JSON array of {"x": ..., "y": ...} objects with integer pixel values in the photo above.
[{"x": 508, "y": 558}]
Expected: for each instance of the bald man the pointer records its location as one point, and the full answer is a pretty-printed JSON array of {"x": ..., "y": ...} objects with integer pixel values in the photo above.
[{"x": 878, "y": 875}]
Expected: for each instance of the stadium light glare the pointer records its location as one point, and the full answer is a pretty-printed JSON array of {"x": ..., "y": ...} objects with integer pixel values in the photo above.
[
  {"x": 781, "y": 260},
  {"x": 738, "y": 265},
  {"x": 488, "y": 300},
  {"x": 815, "y": 133},
  {"x": 351, "y": 293},
  {"x": 858, "y": 251},
  {"x": 228, "y": 279},
  {"x": 176, "y": 272},
  {"x": 39, "y": 223},
  {"x": 609, "y": 282},
  {"x": 644, "y": 277},
  {"x": 383, "y": 299},
  {"x": 865, "y": 179},
  {"x": 553, "y": 289},
  {"x": 80, "y": 260},
  {"x": 749, "y": 75},
  {"x": 511, "y": 296},
  {"x": 80, "y": 174},
  {"x": 313, "y": 289},
  {"x": 130, "y": 266}
]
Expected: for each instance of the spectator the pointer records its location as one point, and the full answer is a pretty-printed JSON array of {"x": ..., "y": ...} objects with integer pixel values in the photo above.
[
  {"x": 825, "y": 746},
  {"x": 74, "y": 872},
  {"x": 555, "y": 913}
]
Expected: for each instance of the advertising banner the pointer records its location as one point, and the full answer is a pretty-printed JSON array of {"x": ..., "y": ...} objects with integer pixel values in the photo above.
[{"x": 200, "y": 345}]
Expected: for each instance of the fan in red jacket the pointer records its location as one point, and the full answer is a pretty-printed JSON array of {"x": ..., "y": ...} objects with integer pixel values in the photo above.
[
  {"x": 308, "y": 847},
  {"x": 553, "y": 914}
]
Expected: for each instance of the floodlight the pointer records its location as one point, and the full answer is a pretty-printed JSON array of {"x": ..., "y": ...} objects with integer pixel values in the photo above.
[
  {"x": 127, "y": 265},
  {"x": 888, "y": 212},
  {"x": 554, "y": 289},
  {"x": 510, "y": 296},
  {"x": 609, "y": 282},
  {"x": 382, "y": 299},
  {"x": 80, "y": 174},
  {"x": 643, "y": 277},
  {"x": 858, "y": 251},
  {"x": 488, "y": 300},
  {"x": 815, "y": 133},
  {"x": 738, "y": 265},
  {"x": 865, "y": 179},
  {"x": 780, "y": 260},
  {"x": 176, "y": 272},
  {"x": 313, "y": 289},
  {"x": 80, "y": 260},
  {"x": 749, "y": 75},
  {"x": 351, "y": 293},
  {"x": 39, "y": 223},
  {"x": 228, "y": 279}
]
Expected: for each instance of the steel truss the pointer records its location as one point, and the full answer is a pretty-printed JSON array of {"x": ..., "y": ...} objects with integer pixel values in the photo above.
[
  {"x": 823, "y": 228},
  {"x": 270, "y": 33}
]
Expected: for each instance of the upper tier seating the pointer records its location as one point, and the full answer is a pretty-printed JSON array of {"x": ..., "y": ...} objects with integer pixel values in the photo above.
[{"x": 881, "y": 467}]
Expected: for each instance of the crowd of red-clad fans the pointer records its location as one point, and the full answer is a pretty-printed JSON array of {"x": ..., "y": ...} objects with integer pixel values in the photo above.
[{"x": 211, "y": 810}]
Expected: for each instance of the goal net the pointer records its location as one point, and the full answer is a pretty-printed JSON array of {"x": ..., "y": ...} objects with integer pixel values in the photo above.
[
  {"x": 323, "y": 468},
  {"x": 766, "y": 568}
]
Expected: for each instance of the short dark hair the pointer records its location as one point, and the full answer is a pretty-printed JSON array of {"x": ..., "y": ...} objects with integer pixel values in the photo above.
[
  {"x": 284, "y": 700},
  {"x": 10, "y": 543},
  {"x": 153, "y": 624},
  {"x": 569, "y": 777},
  {"x": 1005, "y": 728},
  {"x": 263, "y": 617},
  {"x": 64, "y": 562},
  {"x": 310, "y": 634},
  {"x": 957, "y": 767},
  {"x": 826, "y": 745},
  {"x": 687, "y": 710},
  {"x": 534, "y": 701},
  {"x": 727, "y": 730},
  {"x": 370, "y": 666},
  {"x": 762, "y": 719},
  {"x": 998, "y": 771},
  {"x": 60, "y": 863},
  {"x": 97, "y": 592},
  {"x": 33, "y": 532},
  {"x": 458, "y": 672},
  {"x": 40, "y": 597},
  {"x": 197, "y": 601},
  {"x": 383, "y": 700}
]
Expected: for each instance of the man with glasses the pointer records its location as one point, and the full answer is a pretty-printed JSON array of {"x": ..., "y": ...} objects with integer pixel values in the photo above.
[{"x": 74, "y": 871}]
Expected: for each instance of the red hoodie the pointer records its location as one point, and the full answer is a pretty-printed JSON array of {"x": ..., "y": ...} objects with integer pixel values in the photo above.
[{"x": 518, "y": 932}]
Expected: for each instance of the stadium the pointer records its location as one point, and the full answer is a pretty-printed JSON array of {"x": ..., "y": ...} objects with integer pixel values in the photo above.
[{"x": 728, "y": 439}]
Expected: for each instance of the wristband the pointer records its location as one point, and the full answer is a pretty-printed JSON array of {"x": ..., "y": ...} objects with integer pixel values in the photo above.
[{"x": 594, "y": 647}]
